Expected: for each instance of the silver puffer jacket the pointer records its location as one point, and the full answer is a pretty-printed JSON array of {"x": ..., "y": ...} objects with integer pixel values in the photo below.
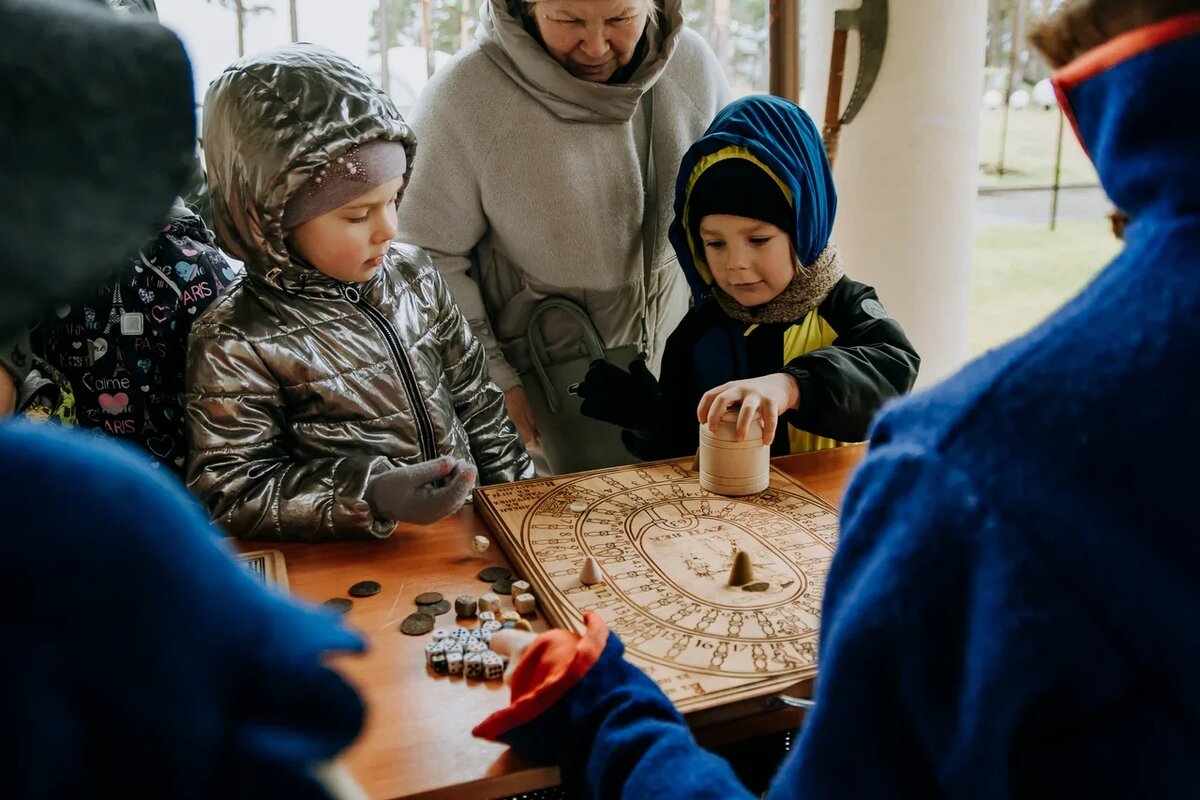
[{"x": 301, "y": 387}]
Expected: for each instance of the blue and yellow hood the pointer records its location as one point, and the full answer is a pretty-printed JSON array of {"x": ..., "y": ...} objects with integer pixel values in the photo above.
[{"x": 780, "y": 138}]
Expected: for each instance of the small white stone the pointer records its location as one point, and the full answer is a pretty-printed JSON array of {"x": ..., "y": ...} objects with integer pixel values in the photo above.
[
  {"x": 578, "y": 506},
  {"x": 481, "y": 543}
]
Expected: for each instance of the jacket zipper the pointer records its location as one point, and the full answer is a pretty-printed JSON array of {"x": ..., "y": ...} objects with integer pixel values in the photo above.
[{"x": 407, "y": 375}]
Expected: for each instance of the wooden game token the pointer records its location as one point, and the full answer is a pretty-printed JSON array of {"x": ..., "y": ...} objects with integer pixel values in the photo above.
[
  {"x": 365, "y": 589},
  {"x": 523, "y": 603},
  {"x": 428, "y": 598},
  {"x": 493, "y": 574},
  {"x": 465, "y": 605},
  {"x": 339, "y": 604},
  {"x": 761, "y": 586},
  {"x": 578, "y": 506},
  {"x": 434, "y": 609},
  {"x": 523, "y": 625},
  {"x": 509, "y": 616},
  {"x": 502, "y": 586},
  {"x": 417, "y": 624},
  {"x": 489, "y": 602}
]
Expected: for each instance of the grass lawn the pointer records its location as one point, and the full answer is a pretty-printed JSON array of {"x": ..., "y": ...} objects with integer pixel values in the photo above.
[
  {"x": 1030, "y": 150},
  {"x": 1023, "y": 272}
]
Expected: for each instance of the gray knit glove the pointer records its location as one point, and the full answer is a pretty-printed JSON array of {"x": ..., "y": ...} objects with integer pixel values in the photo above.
[{"x": 408, "y": 494}]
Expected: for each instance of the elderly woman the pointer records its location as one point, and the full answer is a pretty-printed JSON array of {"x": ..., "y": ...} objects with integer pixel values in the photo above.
[{"x": 532, "y": 178}]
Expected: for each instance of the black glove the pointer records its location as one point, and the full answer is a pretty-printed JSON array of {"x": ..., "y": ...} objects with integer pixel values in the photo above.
[{"x": 629, "y": 399}]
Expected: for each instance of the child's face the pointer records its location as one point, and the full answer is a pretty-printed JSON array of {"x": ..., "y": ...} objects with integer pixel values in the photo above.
[
  {"x": 348, "y": 243},
  {"x": 750, "y": 259}
]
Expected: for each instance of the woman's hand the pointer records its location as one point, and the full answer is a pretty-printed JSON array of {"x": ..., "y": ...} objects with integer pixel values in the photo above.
[
  {"x": 522, "y": 417},
  {"x": 8, "y": 394},
  {"x": 767, "y": 397}
]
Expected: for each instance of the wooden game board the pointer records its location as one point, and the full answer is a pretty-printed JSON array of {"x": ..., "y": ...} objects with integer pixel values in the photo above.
[
  {"x": 267, "y": 566},
  {"x": 666, "y": 547}
]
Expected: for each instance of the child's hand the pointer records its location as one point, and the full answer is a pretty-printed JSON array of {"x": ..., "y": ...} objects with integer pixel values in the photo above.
[
  {"x": 512, "y": 644},
  {"x": 405, "y": 494},
  {"x": 767, "y": 397}
]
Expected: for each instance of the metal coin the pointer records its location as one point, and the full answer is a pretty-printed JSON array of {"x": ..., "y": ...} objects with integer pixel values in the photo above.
[
  {"x": 365, "y": 589},
  {"x": 493, "y": 574},
  {"x": 428, "y": 598},
  {"x": 756, "y": 587},
  {"x": 416, "y": 624},
  {"x": 339, "y": 604},
  {"x": 502, "y": 586},
  {"x": 434, "y": 609}
]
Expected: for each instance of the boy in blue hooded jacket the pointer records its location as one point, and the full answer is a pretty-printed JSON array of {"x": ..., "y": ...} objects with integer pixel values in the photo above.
[
  {"x": 776, "y": 328},
  {"x": 1011, "y": 613}
]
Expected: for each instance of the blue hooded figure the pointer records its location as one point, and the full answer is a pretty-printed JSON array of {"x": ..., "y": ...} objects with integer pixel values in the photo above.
[
  {"x": 137, "y": 658},
  {"x": 754, "y": 209}
]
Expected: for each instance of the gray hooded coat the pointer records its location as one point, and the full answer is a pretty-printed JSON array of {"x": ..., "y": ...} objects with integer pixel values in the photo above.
[
  {"x": 301, "y": 387},
  {"x": 531, "y": 184}
]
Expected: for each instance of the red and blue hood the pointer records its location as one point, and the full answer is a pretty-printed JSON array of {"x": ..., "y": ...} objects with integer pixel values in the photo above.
[{"x": 1133, "y": 104}]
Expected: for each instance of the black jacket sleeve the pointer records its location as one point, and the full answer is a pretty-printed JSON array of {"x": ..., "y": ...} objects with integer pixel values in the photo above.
[
  {"x": 871, "y": 361},
  {"x": 676, "y": 432}
]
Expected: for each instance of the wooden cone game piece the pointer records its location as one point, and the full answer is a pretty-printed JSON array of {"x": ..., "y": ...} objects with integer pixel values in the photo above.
[
  {"x": 591, "y": 573},
  {"x": 730, "y": 467},
  {"x": 742, "y": 571}
]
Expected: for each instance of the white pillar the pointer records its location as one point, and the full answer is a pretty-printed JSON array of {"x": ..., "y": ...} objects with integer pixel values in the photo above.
[{"x": 908, "y": 167}]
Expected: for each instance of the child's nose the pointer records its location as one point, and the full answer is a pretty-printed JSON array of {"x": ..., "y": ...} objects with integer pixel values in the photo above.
[
  {"x": 742, "y": 259},
  {"x": 386, "y": 230}
]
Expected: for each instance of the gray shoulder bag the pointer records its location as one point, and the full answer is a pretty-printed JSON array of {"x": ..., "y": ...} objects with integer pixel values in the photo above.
[{"x": 572, "y": 442}]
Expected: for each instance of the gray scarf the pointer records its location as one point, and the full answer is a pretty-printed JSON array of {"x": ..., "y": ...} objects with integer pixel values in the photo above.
[{"x": 807, "y": 290}]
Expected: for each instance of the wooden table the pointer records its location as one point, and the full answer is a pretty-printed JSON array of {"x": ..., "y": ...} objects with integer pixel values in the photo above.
[{"x": 417, "y": 742}]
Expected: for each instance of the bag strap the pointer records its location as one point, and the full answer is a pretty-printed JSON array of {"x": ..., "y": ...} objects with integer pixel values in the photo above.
[
  {"x": 649, "y": 219},
  {"x": 533, "y": 330},
  {"x": 537, "y": 342}
]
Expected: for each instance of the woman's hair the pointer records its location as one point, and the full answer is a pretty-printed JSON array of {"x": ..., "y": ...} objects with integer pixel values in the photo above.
[
  {"x": 1081, "y": 25},
  {"x": 655, "y": 8}
]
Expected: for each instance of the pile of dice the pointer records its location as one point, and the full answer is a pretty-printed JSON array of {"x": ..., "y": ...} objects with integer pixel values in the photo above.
[{"x": 466, "y": 651}]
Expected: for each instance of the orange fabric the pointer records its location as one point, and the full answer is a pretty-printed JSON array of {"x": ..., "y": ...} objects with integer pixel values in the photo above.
[
  {"x": 555, "y": 662},
  {"x": 1125, "y": 47},
  {"x": 1108, "y": 55}
]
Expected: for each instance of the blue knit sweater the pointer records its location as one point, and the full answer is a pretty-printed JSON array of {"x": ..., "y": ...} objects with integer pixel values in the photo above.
[
  {"x": 137, "y": 659},
  {"x": 1014, "y": 610}
]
